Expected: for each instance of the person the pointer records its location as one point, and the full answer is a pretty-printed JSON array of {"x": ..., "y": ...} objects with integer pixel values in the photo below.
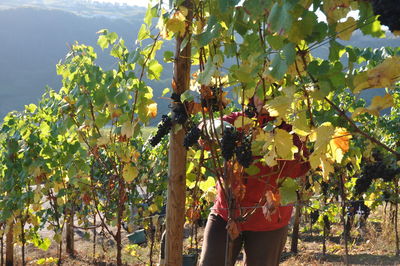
[{"x": 263, "y": 238}]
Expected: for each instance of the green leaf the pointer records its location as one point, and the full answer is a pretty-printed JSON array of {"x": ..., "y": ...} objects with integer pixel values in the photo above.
[
  {"x": 252, "y": 170},
  {"x": 212, "y": 31},
  {"x": 165, "y": 91},
  {"x": 208, "y": 184},
  {"x": 368, "y": 23},
  {"x": 275, "y": 41},
  {"x": 206, "y": 75},
  {"x": 143, "y": 33},
  {"x": 102, "y": 41},
  {"x": 335, "y": 50},
  {"x": 129, "y": 173},
  {"x": 280, "y": 17},
  {"x": 287, "y": 190},
  {"x": 279, "y": 67},
  {"x": 168, "y": 56},
  {"x": 112, "y": 37},
  {"x": 154, "y": 70},
  {"x": 134, "y": 56},
  {"x": 289, "y": 53},
  {"x": 31, "y": 108}
]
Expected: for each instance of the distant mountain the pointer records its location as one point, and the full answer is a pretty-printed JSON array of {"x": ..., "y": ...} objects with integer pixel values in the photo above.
[
  {"x": 34, "y": 39},
  {"x": 88, "y": 8}
]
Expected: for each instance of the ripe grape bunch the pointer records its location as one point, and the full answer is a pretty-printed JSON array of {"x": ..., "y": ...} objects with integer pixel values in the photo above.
[
  {"x": 179, "y": 112},
  {"x": 388, "y": 11},
  {"x": 243, "y": 152},
  {"x": 374, "y": 171},
  {"x": 228, "y": 143},
  {"x": 191, "y": 137},
  {"x": 250, "y": 110},
  {"x": 358, "y": 207},
  {"x": 314, "y": 215},
  {"x": 163, "y": 129},
  {"x": 362, "y": 184},
  {"x": 327, "y": 222}
]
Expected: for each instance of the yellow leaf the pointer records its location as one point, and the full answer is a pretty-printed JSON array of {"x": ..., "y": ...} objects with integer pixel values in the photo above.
[
  {"x": 379, "y": 103},
  {"x": 345, "y": 29},
  {"x": 301, "y": 126},
  {"x": 57, "y": 237},
  {"x": 176, "y": 24},
  {"x": 152, "y": 110},
  {"x": 336, "y": 9},
  {"x": 381, "y": 76},
  {"x": 284, "y": 144},
  {"x": 270, "y": 158},
  {"x": 60, "y": 200},
  {"x": 315, "y": 161},
  {"x": 184, "y": 10},
  {"x": 340, "y": 144},
  {"x": 361, "y": 110},
  {"x": 243, "y": 122},
  {"x": 127, "y": 129},
  {"x": 103, "y": 140},
  {"x": 327, "y": 167},
  {"x": 129, "y": 173},
  {"x": 279, "y": 106},
  {"x": 323, "y": 136},
  {"x": 153, "y": 208}
]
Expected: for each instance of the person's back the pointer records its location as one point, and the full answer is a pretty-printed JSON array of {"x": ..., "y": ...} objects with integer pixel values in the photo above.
[{"x": 263, "y": 230}]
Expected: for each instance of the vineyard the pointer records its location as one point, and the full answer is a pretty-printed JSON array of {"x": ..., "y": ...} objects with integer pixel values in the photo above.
[{"x": 77, "y": 165}]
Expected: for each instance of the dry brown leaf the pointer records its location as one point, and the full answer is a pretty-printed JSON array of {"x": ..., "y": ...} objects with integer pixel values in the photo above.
[{"x": 232, "y": 229}]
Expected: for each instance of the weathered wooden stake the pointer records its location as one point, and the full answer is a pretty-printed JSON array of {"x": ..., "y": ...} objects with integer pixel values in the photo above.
[
  {"x": 70, "y": 241},
  {"x": 177, "y": 153},
  {"x": 10, "y": 246},
  {"x": 296, "y": 227}
]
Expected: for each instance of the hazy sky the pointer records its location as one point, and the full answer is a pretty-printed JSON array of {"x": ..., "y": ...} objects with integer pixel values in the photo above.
[{"x": 133, "y": 2}]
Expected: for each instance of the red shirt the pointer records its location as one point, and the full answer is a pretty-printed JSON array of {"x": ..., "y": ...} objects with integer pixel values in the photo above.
[{"x": 257, "y": 185}]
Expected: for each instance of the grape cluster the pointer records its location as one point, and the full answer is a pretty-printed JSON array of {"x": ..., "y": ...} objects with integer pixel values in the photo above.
[
  {"x": 228, "y": 143},
  {"x": 363, "y": 182},
  {"x": 314, "y": 215},
  {"x": 327, "y": 223},
  {"x": 213, "y": 101},
  {"x": 387, "y": 197},
  {"x": 250, "y": 110},
  {"x": 374, "y": 171},
  {"x": 358, "y": 207},
  {"x": 324, "y": 188},
  {"x": 243, "y": 153},
  {"x": 191, "y": 137},
  {"x": 163, "y": 129},
  {"x": 179, "y": 113},
  {"x": 388, "y": 11}
]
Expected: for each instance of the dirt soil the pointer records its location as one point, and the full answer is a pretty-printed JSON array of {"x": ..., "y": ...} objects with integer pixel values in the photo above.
[{"x": 373, "y": 245}]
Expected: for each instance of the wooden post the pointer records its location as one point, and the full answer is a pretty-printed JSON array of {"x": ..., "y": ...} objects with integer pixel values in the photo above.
[
  {"x": 177, "y": 154},
  {"x": 10, "y": 246},
  {"x": 296, "y": 227},
  {"x": 70, "y": 232}
]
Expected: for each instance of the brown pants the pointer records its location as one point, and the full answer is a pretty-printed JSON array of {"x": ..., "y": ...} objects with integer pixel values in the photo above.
[{"x": 261, "y": 248}]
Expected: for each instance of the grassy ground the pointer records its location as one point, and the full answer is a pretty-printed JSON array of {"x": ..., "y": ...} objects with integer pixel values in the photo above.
[{"x": 374, "y": 246}]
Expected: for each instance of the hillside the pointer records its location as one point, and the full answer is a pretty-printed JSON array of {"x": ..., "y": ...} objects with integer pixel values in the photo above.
[{"x": 35, "y": 39}]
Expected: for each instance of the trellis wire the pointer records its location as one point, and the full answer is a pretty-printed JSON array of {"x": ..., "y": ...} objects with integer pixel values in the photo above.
[{"x": 257, "y": 207}]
